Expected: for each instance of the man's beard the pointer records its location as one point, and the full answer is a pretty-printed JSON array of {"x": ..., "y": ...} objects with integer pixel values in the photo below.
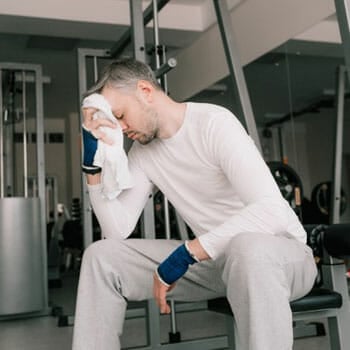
[{"x": 146, "y": 139}]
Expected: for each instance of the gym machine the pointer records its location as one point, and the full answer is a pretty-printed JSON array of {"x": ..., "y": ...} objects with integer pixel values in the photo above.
[{"x": 23, "y": 257}]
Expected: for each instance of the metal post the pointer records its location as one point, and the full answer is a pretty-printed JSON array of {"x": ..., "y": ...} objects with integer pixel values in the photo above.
[
  {"x": 2, "y": 180},
  {"x": 125, "y": 39},
  {"x": 9, "y": 154},
  {"x": 25, "y": 141},
  {"x": 95, "y": 69},
  {"x": 156, "y": 33},
  {"x": 173, "y": 333},
  {"x": 235, "y": 67},
  {"x": 137, "y": 30},
  {"x": 343, "y": 15},
  {"x": 86, "y": 206},
  {"x": 40, "y": 154},
  {"x": 338, "y": 150},
  {"x": 165, "y": 67}
]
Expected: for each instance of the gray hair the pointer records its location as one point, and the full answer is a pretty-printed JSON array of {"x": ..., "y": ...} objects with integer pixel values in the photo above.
[{"x": 124, "y": 74}]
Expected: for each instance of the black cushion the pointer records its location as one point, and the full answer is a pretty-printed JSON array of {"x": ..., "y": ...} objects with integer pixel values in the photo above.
[{"x": 317, "y": 299}]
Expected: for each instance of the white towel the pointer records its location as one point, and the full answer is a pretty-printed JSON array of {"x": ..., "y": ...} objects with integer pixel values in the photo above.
[{"x": 111, "y": 158}]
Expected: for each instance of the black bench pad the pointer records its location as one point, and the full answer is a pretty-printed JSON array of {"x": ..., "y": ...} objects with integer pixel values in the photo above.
[{"x": 317, "y": 299}]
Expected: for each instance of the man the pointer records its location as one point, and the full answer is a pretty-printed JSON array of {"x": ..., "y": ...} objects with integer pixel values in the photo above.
[{"x": 249, "y": 243}]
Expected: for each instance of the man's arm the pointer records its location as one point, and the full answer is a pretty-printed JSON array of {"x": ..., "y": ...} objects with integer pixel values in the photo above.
[
  {"x": 264, "y": 209},
  {"x": 174, "y": 267},
  {"x": 93, "y": 179},
  {"x": 117, "y": 217}
]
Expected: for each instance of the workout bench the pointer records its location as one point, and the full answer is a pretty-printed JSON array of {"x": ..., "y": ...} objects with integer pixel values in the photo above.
[{"x": 329, "y": 297}]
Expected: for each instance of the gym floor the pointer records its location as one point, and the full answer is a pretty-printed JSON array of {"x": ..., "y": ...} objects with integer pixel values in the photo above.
[{"x": 42, "y": 333}]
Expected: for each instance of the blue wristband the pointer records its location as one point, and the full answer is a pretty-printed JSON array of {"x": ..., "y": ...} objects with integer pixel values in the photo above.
[
  {"x": 176, "y": 265},
  {"x": 89, "y": 151},
  {"x": 90, "y": 147}
]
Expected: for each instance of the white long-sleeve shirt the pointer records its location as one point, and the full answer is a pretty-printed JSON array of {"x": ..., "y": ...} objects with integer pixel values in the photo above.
[{"x": 213, "y": 175}]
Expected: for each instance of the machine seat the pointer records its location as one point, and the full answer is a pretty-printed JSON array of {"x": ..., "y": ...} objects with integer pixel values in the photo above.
[{"x": 317, "y": 299}]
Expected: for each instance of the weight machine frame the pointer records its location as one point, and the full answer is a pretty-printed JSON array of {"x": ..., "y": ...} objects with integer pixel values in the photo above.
[{"x": 40, "y": 164}]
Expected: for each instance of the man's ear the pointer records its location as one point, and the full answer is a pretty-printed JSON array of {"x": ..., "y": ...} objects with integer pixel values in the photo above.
[{"x": 146, "y": 90}]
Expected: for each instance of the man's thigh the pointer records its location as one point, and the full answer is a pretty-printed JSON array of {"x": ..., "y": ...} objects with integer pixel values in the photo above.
[
  {"x": 132, "y": 264},
  {"x": 266, "y": 254}
]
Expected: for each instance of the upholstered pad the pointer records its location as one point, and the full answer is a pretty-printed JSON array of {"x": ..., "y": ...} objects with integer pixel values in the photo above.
[{"x": 317, "y": 299}]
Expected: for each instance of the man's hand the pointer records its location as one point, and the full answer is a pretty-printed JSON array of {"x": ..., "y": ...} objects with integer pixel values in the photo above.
[
  {"x": 91, "y": 133},
  {"x": 93, "y": 125},
  {"x": 160, "y": 291}
]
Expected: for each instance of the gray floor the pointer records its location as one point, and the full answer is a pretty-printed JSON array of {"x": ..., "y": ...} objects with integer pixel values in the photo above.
[{"x": 42, "y": 333}]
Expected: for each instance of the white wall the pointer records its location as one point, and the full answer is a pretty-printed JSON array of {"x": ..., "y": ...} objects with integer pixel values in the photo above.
[{"x": 259, "y": 27}]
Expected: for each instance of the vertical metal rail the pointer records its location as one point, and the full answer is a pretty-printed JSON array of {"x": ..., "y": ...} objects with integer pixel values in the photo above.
[
  {"x": 2, "y": 180},
  {"x": 343, "y": 14},
  {"x": 156, "y": 33},
  {"x": 25, "y": 141},
  {"x": 40, "y": 153},
  {"x": 235, "y": 67},
  {"x": 147, "y": 219},
  {"x": 82, "y": 54},
  {"x": 157, "y": 53},
  {"x": 118, "y": 48},
  {"x": 95, "y": 69},
  {"x": 338, "y": 149},
  {"x": 86, "y": 207},
  {"x": 137, "y": 30}
]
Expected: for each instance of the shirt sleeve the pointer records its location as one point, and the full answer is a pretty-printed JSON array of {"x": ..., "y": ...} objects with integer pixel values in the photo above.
[
  {"x": 264, "y": 210},
  {"x": 118, "y": 217}
]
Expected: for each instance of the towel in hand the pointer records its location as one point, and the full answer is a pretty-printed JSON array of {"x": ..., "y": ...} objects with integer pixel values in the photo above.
[{"x": 111, "y": 158}]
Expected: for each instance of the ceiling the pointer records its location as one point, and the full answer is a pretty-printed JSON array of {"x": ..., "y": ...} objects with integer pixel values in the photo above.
[{"x": 290, "y": 78}]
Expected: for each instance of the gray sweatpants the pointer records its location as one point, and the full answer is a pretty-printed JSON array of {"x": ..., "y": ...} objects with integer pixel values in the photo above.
[{"x": 258, "y": 273}]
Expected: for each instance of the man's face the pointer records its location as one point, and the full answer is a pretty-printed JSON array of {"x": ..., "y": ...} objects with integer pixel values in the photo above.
[{"x": 135, "y": 116}]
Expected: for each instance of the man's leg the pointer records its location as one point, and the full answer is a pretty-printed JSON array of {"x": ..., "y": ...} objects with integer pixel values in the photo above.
[
  {"x": 113, "y": 272},
  {"x": 263, "y": 273}
]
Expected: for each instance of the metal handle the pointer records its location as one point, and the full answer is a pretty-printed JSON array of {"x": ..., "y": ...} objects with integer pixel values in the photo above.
[
  {"x": 25, "y": 141},
  {"x": 2, "y": 180}
]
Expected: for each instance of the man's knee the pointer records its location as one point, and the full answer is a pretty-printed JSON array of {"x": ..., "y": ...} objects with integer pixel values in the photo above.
[
  {"x": 252, "y": 247},
  {"x": 249, "y": 254},
  {"x": 100, "y": 250}
]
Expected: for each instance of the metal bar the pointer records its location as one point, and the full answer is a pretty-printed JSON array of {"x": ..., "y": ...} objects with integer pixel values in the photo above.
[
  {"x": 86, "y": 207},
  {"x": 235, "y": 67},
  {"x": 126, "y": 37},
  {"x": 343, "y": 14},
  {"x": 2, "y": 180},
  {"x": 25, "y": 141},
  {"x": 181, "y": 226},
  {"x": 9, "y": 152},
  {"x": 137, "y": 30},
  {"x": 40, "y": 153},
  {"x": 156, "y": 32},
  {"x": 165, "y": 67},
  {"x": 280, "y": 143},
  {"x": 95, "y": 69},
  {"x": 157, "y": 53},
  {"x": 82, "y": 54},
  {"x": 338, "y": 149},
  {"x": 153, "y": 324}
]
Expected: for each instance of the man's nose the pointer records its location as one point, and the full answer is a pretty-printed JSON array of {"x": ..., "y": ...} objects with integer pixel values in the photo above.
[{"x": 122, "y": 125}]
